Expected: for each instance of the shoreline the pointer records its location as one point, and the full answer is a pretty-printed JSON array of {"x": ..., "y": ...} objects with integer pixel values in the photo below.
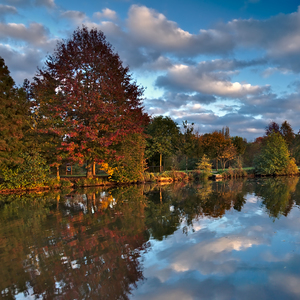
[{"x": 72, "y": 182}]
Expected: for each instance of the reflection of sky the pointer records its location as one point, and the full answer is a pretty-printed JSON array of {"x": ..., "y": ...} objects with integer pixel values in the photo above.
[{"x": 243, "y": 255}]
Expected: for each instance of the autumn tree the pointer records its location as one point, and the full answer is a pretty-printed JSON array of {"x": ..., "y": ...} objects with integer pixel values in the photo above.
[
  {"x": 218, "y": 147},
  {"x": 287, "y": 132},
  {"x": 91, "y": 95},
  {"x": 163, "y": 135},
  {"x": 14, "y": 112},
  {"x": 272, "y": 127}
]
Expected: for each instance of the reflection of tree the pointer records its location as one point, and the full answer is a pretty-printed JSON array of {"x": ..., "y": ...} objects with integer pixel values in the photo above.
[
  {"x": 187, "y": 202},
  {"x": 277, "y": 194},
  {"x": 80, "y": 250},
  {"x": 160, "y": 217},
  {"x": 213, "y": 199},
  {"x": 87, "y": 244}
]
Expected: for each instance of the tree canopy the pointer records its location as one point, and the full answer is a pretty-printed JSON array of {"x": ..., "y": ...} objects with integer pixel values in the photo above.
[
  {"x": 89, "y": 96},
  {"x": 14, "y": 112},
  {"x": 163, "y": 136},
  {"x": 274, "y": 158}
]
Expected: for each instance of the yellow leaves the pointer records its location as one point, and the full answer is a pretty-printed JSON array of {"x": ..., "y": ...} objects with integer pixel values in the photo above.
[{"x": 105, "y": 167}]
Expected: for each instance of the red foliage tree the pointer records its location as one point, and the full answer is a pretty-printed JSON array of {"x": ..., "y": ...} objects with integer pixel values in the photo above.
[
  {"x": 272, "y": 127},
  {"x": 90, "y": 96}
]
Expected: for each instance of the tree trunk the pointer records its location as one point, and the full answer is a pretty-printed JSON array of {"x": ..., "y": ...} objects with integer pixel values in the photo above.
[
  {"x": 217, "y": 162},
  {"x": 57, "y": 173},
  {"x": 94, "y": 169},
  {"x": 186, "y": 163},
  {"x": 89, "y": 170},
  {"x": 160, "y": 161}
]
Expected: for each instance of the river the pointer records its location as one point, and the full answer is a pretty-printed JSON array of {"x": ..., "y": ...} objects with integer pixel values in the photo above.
[{"x": 237, "y": 239}]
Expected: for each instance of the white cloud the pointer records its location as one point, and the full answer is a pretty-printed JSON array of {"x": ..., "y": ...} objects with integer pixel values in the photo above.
[
  {"x": 193, "y": 257},
  {"x": 76, "y": 16},
  {"x": 23, "y": 62},
  {"x": 106, "y": 14},
  {"x": 150, "y": 28},
  {"x": 35, "y": 34},
  {"x": 195, "y": 79}
]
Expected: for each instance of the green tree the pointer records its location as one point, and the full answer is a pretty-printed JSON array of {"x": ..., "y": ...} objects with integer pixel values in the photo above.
[
  {"x": 32, "y": 173},
  {"x": 240, "y": 145},
  {"x": 204, "y": 166},
  {"x": 163, "y": 135},
  {"x": 274, "y": 158},
  {"x": 14, "y": 114},
  {"x": 188, "y": 141},
  {"x": 131, "y": 165}
]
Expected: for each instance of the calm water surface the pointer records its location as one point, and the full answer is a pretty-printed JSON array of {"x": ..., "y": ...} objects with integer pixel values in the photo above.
[{"x": 214, "y": 240}]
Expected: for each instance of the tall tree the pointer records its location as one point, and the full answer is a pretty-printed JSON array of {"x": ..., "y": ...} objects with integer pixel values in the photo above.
[
  {"x": 14, "y": 114},
  {"x": 91, "y": 96},
  {"x": 163, "y": 135},
  {"x": 188, "y": 141},
  {"x": 287, "y": 132},
  {"x": 240, "y": 145}
]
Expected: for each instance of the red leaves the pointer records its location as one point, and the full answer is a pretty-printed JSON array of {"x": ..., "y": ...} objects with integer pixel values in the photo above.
[{"x": 85, "y": 87}]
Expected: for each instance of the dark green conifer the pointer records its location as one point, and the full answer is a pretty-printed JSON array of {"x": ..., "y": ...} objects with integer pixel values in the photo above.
[{"x": 14, "y": 110}]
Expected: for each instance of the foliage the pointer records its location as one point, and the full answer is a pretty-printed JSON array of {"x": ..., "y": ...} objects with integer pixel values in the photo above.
[
  {"x": 240, "y": 145},
  {"x": 219, "y": 147},
  {"x": 14, "y": 111},
  {"x": 287, "y": 133},
  {"x": 64, "y": 183},
  {"x": 91, "y": 96},
  {"x": 163, "y": 136},
  {"x": 175, "y": 175},
  {"x": 96, "y": 181},
  {"x": 131, "y": 164},
  {"x": 205, "y": 166},
  {"x": 276, "y": 195},
  {"x": 108, "y": 170},
  {"x": 188, "y": 141},
  {"x": 274, "y": 158},
  {"x": 272, "y": 127},
  {"x": 252, "y": 150},
  {"x": 32, "y": 173}
]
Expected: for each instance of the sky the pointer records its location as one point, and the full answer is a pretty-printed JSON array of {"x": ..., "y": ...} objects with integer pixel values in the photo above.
[{"x": 217, "y": 63}]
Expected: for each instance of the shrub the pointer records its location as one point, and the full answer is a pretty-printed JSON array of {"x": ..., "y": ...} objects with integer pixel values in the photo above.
[
  {"x": 147, "y": 177},
  {"x": 53, "y": 183},
  {"x": 65, "y": 183},
  {"x": 32, "y": 173}
]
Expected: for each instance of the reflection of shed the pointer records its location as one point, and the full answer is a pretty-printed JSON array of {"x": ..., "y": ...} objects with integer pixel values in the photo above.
[{"x": 68, "y": 169}]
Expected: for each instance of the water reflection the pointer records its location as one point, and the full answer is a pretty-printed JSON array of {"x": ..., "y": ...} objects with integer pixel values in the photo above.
[
  {"x": 212, "y": 240},
  {"x": 77, "y": 245}
]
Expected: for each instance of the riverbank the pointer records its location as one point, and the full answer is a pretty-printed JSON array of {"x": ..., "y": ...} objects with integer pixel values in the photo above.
[{"x": 164, "y": 177}]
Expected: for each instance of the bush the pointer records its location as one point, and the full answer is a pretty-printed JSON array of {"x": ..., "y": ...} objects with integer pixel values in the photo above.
[
  {"x": 65, "y": 183},
  {"x": 32, "y": 173},
  {"x": 53, "y": 183},
  {"x": 147, "y": 177}
]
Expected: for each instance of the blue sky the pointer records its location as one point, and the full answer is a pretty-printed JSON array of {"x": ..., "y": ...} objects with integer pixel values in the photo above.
[{"x": 215, "y": 63}]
